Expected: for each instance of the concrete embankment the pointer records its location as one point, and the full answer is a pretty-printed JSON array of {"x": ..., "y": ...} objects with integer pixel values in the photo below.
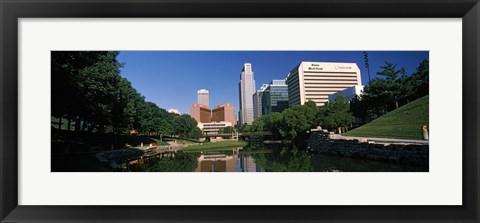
[{"x": 415, "y": 153}]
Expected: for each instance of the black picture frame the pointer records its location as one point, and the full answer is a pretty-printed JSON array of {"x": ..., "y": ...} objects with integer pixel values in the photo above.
[{"x": 11, "y": 11}]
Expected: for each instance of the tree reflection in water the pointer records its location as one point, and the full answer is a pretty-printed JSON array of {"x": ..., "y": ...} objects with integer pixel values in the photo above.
[
  {"x": 290, "y": 158},
  {"x": 272, "y": 158},
  {"x": 181, "y": 162},
  {"x": 285, "y": 159}
]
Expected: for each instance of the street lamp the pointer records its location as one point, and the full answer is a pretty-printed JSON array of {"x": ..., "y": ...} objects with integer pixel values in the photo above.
[{"x": 367, "y": 65}]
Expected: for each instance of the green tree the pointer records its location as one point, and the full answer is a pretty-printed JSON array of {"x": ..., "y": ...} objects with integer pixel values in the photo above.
[
  {"x": 84, "y": 86},
  {"x": 196, "y": 132},
  {"x": 124, "y": 109},
  {"x": 288, "y": 124},
  {"x": 273, "y": 123},
  {"x": 295, "y": 122},
  {"x": 298, "y": 119},
  {"x": 336, "y": 114},
  {"x": 186, "y": 125},
  {"x": 393, "y": 89},
  {"x": 228, "y": 129},
  {"x": 390, "y": 71},
  {"x": 359, "y": 108},
  {"x": 258, "y": 125},
  {"x": 147, "y": 112},
  {"x": 245, "y": 128},
  {"x": 166, "y": 127},
  {"x": 420, "y": 80},
  {"x": 382, "y": 93}
]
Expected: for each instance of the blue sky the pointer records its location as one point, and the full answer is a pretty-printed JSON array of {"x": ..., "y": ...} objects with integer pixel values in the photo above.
[{"x": 171, "y": 78}]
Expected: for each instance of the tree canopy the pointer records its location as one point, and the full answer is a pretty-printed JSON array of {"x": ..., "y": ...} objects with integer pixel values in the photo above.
[
  {"x": 87, "y": 89},
  {"x": 336, "y": 114},
  {"x": 392, "y": 89}
]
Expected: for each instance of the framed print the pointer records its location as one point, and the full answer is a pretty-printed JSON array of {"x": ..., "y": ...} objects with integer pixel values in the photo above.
[{"x": 130, "y": 111}]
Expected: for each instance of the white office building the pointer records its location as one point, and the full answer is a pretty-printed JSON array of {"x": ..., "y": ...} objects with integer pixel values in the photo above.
[
  {"x": 316, "y": 81},
  {"x": 246, "y": 90},
  {"x": 203, "y": 97}
]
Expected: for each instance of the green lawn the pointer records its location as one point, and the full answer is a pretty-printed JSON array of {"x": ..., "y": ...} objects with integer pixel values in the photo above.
[
  {"x": 214, "y": 146},
  {"x": 402, "y": 123},
  {"x": 159, "y": 142},
  {"x": 182, "y": 140}
]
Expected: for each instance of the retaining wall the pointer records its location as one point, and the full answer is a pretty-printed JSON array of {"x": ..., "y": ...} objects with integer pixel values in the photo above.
[{"x": 401, "y": 153}]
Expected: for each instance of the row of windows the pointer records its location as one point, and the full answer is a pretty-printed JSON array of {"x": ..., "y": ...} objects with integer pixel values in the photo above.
[
  {"x": 213, "y": 125},
  {"x": 294, "y": 97},
  {"x": 317, "y": 99},
  {"x": 315, "y": 85},
  {"x": 317, "y": 95},
  {"x": 292, "y": 103},
  {"x": 325, "y": 88},
  {"x": 294, "y": 88},
  {"x": 328, "y": 72},
  {"x": 348, "y": 82},
  {"x": 293, "y": 74},
  {"x": 331, "y": 76},
  {"x": 322, "y": 91},
  {"x": 292, "y": 83},
  {"x": 324, "y": 78},
  {"x": 295, "y": 100}
]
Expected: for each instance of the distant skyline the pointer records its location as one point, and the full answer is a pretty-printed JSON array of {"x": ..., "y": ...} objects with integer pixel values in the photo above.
[{"x": 171, "y": 79}]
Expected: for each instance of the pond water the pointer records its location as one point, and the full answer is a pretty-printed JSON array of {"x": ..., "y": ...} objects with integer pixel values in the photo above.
[{"x": 265, "y": 158}]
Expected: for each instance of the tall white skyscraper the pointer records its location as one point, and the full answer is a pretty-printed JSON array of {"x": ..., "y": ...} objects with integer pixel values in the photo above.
[
  {"x": 203, "y": 97},
  {"x": 246, "y": 91}
]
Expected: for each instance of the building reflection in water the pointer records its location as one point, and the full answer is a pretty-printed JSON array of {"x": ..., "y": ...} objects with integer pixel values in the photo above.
[
  {"x": 248, "y": 164},
  {"x": 217, "y": 163},
  {"x": 226, "y": 161}
]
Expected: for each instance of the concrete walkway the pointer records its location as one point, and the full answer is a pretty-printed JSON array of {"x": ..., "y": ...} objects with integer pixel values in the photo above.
[
  {"x": 380, "y": 140},
  {"x": 175, "y": 145}
]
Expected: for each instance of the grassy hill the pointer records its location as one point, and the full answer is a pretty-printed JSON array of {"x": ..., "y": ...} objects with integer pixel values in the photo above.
[{"x": 402, "y": 123}]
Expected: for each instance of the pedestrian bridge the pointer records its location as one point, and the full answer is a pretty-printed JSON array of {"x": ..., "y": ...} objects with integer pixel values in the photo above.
[{"x": 238, "y": 134}]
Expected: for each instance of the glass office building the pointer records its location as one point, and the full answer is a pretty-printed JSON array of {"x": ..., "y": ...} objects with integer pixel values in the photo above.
[
  {"x": 275, "y": 97},
  {"x": 257, "y": 102}
]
